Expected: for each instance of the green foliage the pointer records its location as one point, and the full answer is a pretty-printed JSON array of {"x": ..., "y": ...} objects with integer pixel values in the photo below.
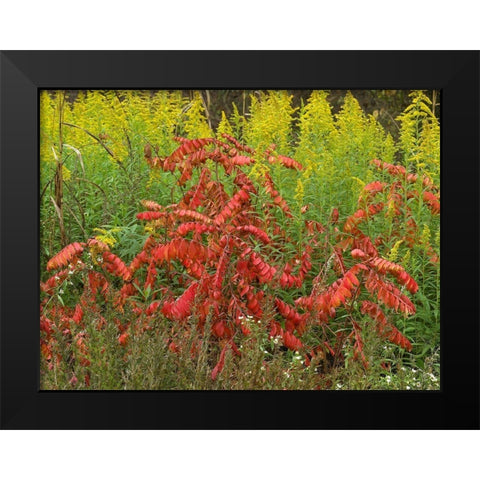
[{"x": 99, "y": 149}]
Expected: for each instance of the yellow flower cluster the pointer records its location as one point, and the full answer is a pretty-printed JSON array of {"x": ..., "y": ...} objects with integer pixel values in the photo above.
[
  {"x": 393, "y": 254},
  {"x": 115, "y": 124},
  {"x": 420, "y": 135},
  {"x": 224, "y": 126},
  {"x": 334, "y": 149},
  {"x": 270, "y": 121},
  {"x": 106, "y": 236},
  {"x": 47, "y": 126},
  {"x": 196, "y": 125}
]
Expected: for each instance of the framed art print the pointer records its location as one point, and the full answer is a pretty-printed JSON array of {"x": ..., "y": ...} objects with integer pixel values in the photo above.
[{"x": 239, "y": 240}]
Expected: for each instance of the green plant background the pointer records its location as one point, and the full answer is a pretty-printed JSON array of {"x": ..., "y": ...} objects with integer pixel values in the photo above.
[{"x": 97, "y": 138}]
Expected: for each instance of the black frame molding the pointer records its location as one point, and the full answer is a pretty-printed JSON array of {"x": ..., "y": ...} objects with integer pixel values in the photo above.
[{"x": 24, "y": 73}]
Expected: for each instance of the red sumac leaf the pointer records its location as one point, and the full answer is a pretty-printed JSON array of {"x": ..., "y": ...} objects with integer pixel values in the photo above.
[
  {"x": 150, "y": 215},
  {"x": 432, "y": 202},
  {"x": 63, "y": 258},
  {"x": 241, "y": 160},
  {"x": 115, "y": 266},
  {"x": 181, "y": 308},
  {"x": 357, "y": 253},
  {"x": 291, "y": 341},
  {"x": 78, "y": 314},
  {"x": 151, "y": 205},
  {"x": 385, "y": 328}
]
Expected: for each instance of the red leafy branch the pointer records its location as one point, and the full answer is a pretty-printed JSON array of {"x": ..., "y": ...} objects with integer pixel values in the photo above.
[
  {"x": 277, "y": 198},
  {"x": 65, "y": 256},
  {"x": 181, "y": 308},
  {"x": 388, "y": 294},
  {"x": 385, "y": 328},
  {"x": 115, "y": 266}
]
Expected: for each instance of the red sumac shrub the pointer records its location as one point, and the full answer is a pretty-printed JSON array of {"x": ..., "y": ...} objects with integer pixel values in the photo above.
[{"x": 227, "y": 257}]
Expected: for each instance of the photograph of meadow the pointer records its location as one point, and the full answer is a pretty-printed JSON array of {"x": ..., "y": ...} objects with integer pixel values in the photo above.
[{"x": 239, "y": 240}]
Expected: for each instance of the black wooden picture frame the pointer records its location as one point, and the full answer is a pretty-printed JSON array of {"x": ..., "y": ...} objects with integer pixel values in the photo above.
[{"x": 25, "y": 73}]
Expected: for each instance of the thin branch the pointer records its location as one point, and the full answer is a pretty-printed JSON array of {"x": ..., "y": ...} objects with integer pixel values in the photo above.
[
  {"x": 78, "y": 154},
  {"x": 108, "y": 150},
  {"x": 60, "y": 219},
  {"x": 77, "y": 220},
  {"x": 205, "y": 106}
]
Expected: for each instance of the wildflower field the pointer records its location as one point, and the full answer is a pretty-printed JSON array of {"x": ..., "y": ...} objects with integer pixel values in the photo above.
[{"x": 285, "y": 242}]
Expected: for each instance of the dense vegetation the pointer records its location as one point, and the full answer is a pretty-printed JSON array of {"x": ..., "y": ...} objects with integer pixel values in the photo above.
[{"x": 281, "y": 247}]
